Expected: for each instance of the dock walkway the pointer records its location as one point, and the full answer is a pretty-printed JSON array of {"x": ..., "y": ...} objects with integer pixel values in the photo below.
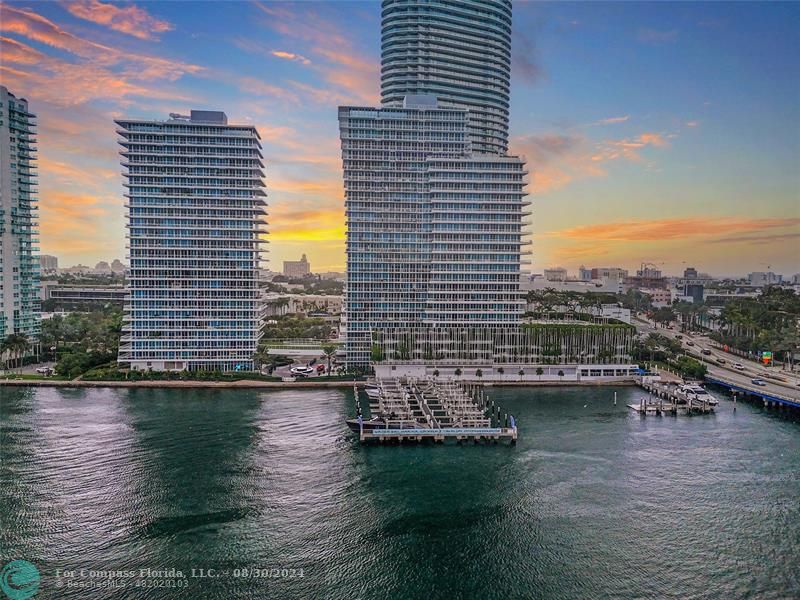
[
  {"x": 427, "y": 409},
  {"x": 666, "y": 398}
]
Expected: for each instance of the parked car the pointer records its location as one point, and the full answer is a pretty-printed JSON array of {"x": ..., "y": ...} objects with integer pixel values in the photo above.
[
  {"x": 690, "y": 343},
  {"x": 45, "y": 370},
  {"x": 738, "y": 366},
  {"x": 758, "y": 382},
  {"x": 301, "y": 371}
]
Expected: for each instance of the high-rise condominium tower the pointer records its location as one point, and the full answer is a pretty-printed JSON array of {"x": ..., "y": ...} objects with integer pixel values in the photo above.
[
  {"x": 434, "y": 205},
  {"x": 196, "y": 210},
  {"x": 459, "y": 52},
  {"x": 19, "y": 263}
]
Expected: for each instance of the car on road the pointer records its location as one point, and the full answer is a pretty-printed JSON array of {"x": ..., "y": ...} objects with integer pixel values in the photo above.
[
  {"x": 320, "y": 368},
  {"x": 721, "y": 361},
  {"x": 706, "y": 352},
  {"x": 301, "y": 371},
  {"x": 690, "y": 343},
  {"x": 757, "y": 381},
  {"x": 679, "y": 337},
  {"x": 45, "y": 370},
  {"x": 738, "y": 366}
]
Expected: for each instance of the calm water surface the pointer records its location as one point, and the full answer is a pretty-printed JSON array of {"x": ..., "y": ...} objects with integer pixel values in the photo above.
[{"x": 593, "y": 502}]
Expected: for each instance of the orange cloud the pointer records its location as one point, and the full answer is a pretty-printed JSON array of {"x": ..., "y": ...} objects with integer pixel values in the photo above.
[
  {"x": 73, "y": 174},
  {"x": 556, "y": 160},
  {"x": 327, "y": 96},
  {"x": 19, "y": 53},
  {"x": 129, "y": 19},
  {"x": 290, "y": 56},
  {"x": 353, "y": 77},
  {"x": 671, "y": 229},
  {"x": 324, "y": 189},
  {"x": 628, "y": 148},
  {"x": 66, "y": 213},
  {"x": 353, "y": 73},
  {"x": 259, "y": 88},
  {"x": 69, "y": 84},
  {"x": 33, "y": 26}
]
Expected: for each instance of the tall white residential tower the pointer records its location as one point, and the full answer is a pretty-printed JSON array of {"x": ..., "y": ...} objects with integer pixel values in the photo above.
[
  {"x": 196, "y": 215},
  {"x": 459, "y": 52},
  {"x": 435, "y": 207},
  {"x": 19, "y": 262}
]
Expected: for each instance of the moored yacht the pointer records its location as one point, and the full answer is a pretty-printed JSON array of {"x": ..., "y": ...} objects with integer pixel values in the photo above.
[{"x": 698, "y": 392}]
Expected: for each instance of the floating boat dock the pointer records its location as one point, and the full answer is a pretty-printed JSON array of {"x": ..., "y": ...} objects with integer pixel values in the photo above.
[
  {"x": 417, "y": 410},
  {"x": 668, "y": 399}
]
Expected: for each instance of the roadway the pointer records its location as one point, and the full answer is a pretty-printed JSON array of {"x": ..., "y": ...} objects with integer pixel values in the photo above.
[
  {"x": 309, "y": 359},
  {"x": 789, "y": 387}
]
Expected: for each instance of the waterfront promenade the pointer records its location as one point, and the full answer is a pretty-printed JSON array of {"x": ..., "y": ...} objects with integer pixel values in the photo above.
[{"x": 252, "y": 384}]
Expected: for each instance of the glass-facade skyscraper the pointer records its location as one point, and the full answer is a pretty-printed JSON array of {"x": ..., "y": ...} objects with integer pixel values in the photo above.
[
  {"x": 434, "y": 206},
  {"x": 19, "y": 261},
  {"x": 196, "y": 211},
  {"x": 459, "y": 52}
]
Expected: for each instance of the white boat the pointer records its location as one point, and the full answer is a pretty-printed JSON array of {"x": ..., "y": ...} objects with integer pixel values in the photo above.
[{"x": 698, "y": 392}]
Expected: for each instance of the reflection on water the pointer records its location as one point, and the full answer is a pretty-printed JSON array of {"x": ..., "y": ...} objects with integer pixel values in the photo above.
[{"x": 593, "y": 501}]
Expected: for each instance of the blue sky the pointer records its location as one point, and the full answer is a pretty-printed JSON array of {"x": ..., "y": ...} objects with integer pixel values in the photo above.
[{"x": 661, "y": 132}]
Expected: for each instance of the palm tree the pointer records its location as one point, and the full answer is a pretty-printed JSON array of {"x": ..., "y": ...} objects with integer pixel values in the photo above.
[
  {"x": 458, "y": 372},
  {"x": 561, "y": 375},
  {"x": 17, "y": 344},
  {"x": 4, "y": 348},
  {"x": 479, "y": 373},
  {"x": 329, "y": 350},
  {"x": 436, "y": 372},
  {"x": 521, "y": 374},
  {"x": 787, "y": 341},
  {"x": 539, "y": 372}
]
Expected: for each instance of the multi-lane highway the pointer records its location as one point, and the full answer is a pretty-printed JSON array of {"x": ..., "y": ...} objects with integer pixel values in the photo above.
[{"x": 720, "y": 365}]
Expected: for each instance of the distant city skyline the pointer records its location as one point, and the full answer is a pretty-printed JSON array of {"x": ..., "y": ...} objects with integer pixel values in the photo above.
[{"x": 653, "y": 132}]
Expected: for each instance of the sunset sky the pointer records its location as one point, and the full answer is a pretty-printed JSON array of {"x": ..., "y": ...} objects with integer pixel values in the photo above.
[{"x": 659, "y": 132}]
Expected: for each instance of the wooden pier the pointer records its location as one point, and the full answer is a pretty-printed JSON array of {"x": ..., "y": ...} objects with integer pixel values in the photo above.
[
  {"x": 667, "y": 399},
  {"x": 459, "y": 434},
  {"x": 418, "y": 410}
]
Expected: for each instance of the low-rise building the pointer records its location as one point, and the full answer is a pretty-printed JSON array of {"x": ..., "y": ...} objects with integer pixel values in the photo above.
[
  {"x": 572, "y": 285},
  {"x": 608, "y": 272},
  {"x": 761, "y": 278},
  {"x": 286, "y": 304},
  {"x": 602, "y": 312},
  {"x": 332, "y": 276},
  {"x": 48, "y": 263},
  {"x": 82, "y": 294},
  {"x": 658, "y": 296},
  {"x": 556, "y": 274}
]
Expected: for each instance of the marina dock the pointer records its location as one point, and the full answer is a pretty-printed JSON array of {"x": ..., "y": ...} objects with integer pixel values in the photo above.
[
  {"x": 669, "y": 399},
  {"x": 417, "y": 410}
]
